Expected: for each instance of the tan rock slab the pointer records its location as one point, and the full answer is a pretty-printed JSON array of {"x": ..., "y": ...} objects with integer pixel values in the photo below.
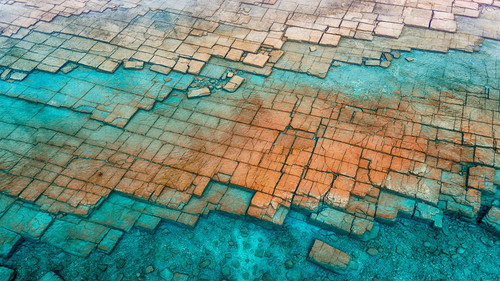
[
  {"x": 330, "y": 40},
  {"x": 372, "y": 62},
  {"x": 234, "y": 54},
  {"x": 444, "y": 25},
  {"x": 303, "y": 34},
  {"x": 389, "y": 29},
  {"x": 160, "y": 69},
  {"x": 202, "y": 92},
  {"x": 108, "y": 66},
  {"x": 258, "y": 60},
  {"x": 133, "y": 64},
  {"x": 328, "y": 257}
]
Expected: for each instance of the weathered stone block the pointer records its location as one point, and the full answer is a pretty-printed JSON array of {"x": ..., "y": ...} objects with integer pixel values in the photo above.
[
  {"x": 233, "y": 83},
  {"x": 195, "y": 93},
  {"x": 188, "y": 219},
  {"x": 267, "y": 208},
  {"x": 5, "y": 202},
  {"x": 109, "y": 242},
  {"x": 26, "y": 221},
  {"x": 115, "y": 215},
  {"x": 51, "y": 276},
  {"x": 235, "y": 201},
  {"x": 391, "y": 205},
  {"x": 76, "y": 238},
  {"x": 147, "y": 222},
  {"x": 133, "y": 64},
  {"x": 334, "y": 219},
  {"x": 258, "y": 60},
  {"x": 364, "y": 229},
  {"x": 492, "y": 220},
  {"x": 430, "y": 214},
  {"x": 329, "y": 258}
]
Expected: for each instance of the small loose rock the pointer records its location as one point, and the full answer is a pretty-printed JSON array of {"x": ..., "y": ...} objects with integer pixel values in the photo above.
[
  {"x": 205, "y": 263},
  {"x": 372, "y": 251},
  {"x": 289, "y": 264}
]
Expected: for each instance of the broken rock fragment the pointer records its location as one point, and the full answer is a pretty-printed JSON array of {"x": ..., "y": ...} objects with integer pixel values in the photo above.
[
  {"x": 329, "y": 258},
  {"x": 492, "y": 220},
  {"x": 194, "y": 93},
  {"x": 234, "y": 83}
]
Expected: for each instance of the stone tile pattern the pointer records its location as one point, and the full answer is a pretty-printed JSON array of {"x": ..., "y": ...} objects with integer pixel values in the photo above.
[
  {"x": 183, "y": 35},
  {"x": 104, "y": 228},
  {"x": 346, "y": 159}
]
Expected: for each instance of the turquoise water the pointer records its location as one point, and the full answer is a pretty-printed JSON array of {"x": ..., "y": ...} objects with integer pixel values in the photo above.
[{"x": 85, "y": 89}]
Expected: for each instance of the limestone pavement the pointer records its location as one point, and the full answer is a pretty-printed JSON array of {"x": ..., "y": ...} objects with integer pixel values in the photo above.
[{"x": 208, "y": 113}]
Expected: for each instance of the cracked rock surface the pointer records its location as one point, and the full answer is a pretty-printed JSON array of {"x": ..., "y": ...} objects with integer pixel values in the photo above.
[{"x": 118, "y": 117}]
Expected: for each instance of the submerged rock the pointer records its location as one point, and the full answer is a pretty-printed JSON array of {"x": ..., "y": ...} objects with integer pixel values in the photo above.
[
  {"x": 166, "y": 274},
  {"x": 492, "y": 220},
  {"x": 328, "y": 257},
  {"x": 150, "y": 269},
  {"x": 50, "y": 276},
  {"x": 202, "y": 92},
  {"x": 205, "y": 263},
  {"x": 226, "y": 271},
  {"x": 372, "y": 251},
  {"x": 234, "y": 83},
  {"x": 6, "y": 274}
]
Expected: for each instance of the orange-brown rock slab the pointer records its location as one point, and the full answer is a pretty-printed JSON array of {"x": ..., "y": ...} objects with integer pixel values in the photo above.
[{"x": 328, "y": 257}]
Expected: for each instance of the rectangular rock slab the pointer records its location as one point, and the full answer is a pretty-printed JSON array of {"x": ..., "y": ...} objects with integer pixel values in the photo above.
[
  {"x": 258, "y": 60},
  {"x": 8, "y": 242},
  {"x": 160, "y": 69},
  {"x": 130, "y": 64},
  {"x": 147, "y": 222},
  {"x": 26, "y": 221},
  {"x": 195, "y": 93},
  {"x": 235, "y": 201},
  {"x": 18, "y": 76},
  {"x": 234, "y": 83},
  {"x": 79, "y": 238},
  {"x": 5, "y": 74},
  {"x": 115, "y": 215},
  {"x": 430, "y": 214},
  {"x": 108, "y": 66},
  {"x": 389, "y": 206},
  {"x": 334, "y": 219},
  {"x": 108, "y": 243},
  {"x": 329, "y": 258},
  {"x": 68, "y": 67},
  {"x": 51, "y": 276},
  {"x": 492, "y": 220}
]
